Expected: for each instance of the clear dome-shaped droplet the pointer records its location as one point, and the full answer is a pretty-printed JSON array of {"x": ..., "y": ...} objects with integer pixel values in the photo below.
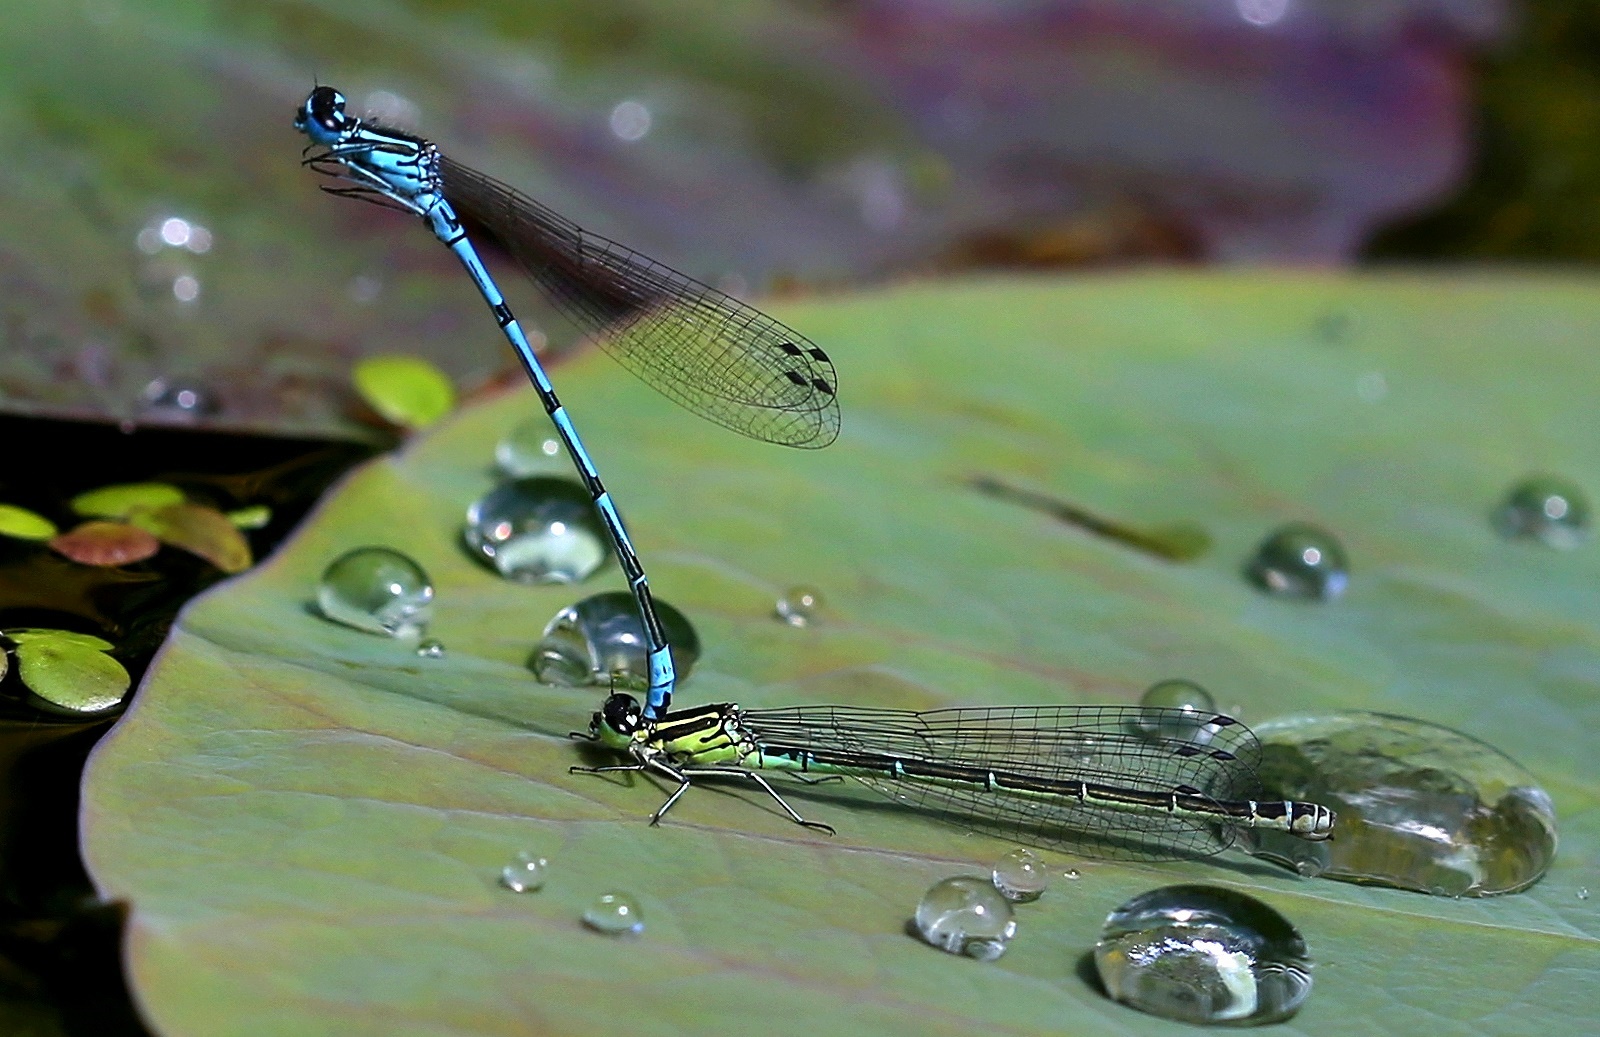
[
  {"x": 1550, "y": 510},
  {"x": 1179, "y": 709},
  {"x": 377, "y": 589},
  {"x": 966, "y": 915},
  {"x": 525, "y": 873},
  {"x": 1419, "y": 806},
  {"x": 601, "y": 640},
  {"x": 614, "y": 914},
  {"x": 1300, "y": 561},
  {"x": 531, "y": 448},
  {"x": 537, "y": 530},
  {"x": 798, "y": 606},
  {"x": 1020, "y": 876},
  {"x": 431, "y": 648},
  {"x": 1200, "y": 954}
]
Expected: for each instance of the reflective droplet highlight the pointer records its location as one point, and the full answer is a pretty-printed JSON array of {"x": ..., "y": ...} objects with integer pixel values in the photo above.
[
  {"x": 531, "y": 449},
  {"x": 1200, "y": 954},
  {"x": 525, "y": 873},
  {"x": 537, "y": 529},
  {"x": 966, "y": 915},
  {"x": 1547, "y": 509},
  {"x": 431, "y": 649},
  {"x": 1300, "y": 561},
  {"x": 1073, "y": 874},
  {"x": 377, "y": 589},
  {"x": 1178, "y": 709},
  {"x": 1583, "y": 892},
  {"x": 798, "y": 606},
  {"x": 601, "y": 640},
  {"x": 1420, "y": 806},
  {"x": 614, "y": 914},
  {"x": 1020, "y": 876},
  {"x": 179, "y": 398}
]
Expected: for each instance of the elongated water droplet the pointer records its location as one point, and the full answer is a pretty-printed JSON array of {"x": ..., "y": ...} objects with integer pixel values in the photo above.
[
  {"x": 1178, "y": 709},
  {"x": 431, "y": 649},
  {"x": 1547, "y": 509},
  {"x": 1419, "y": 806},
  {"x": 601, "y": 640},
  {"x": 531, "y": 449},
  {"x": 537, "y": 530},
  {"x": 525, "y": 873},
  {"x": 1021, "y": 876},
  {"x": 1300, "y": 561},
  {"x": 377, "y": 589},
  {"x": 1201, "y": 954},
  {"x": 966, "y": 915},
  {"x": 614, "y": 914},
  {"x": 1072, "y": 874},
  {"x": 798, "y": 606}
]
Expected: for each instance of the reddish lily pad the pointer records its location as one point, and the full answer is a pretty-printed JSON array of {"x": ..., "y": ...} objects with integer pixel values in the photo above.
[{"x": 106, "y": 543}]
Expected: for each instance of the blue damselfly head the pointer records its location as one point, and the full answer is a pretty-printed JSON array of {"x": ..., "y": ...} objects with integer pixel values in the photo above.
[{"x": 322, "y": 117}]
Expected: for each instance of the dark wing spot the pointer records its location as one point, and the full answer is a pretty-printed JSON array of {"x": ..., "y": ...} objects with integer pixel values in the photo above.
[
  {"x": 790, "y": 348},
  {"x": 817, "y": 354},
  {"x": 1186, "y": 750},
  {"x": 822, "y": 386},
  {"x": 1222, "y": 754},
  {"x": 795, "y": 377}
]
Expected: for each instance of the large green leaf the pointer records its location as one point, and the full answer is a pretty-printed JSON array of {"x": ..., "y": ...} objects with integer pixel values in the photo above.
[{"x": 309, "y": 821}]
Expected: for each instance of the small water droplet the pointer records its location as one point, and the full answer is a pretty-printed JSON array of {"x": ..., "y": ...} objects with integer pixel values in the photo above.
[
  {"x": 1072, "y": 873},
  {"x": 530, "y": 449},
  {"x": 1583, "y": 892},
  {"x": 181, "y": 398},
  {"x": 525, "y": 873},
  {"x": 614, "y": 914},
  {"x": 1179, "y": 709},
  {"x": 799, "y": 605},
  {"x": 1300, "y": 561},
  {"x": 1547, "y": 509},
  {"x": 1200, "y": 954},
  {"x": 601, "y": 640},
  {"x": 537, "y": 529},
  {"x": 378, "y": 590},
  {"x": 1020, "y": 876},
  {"x": 1419, "y": 806},
  {"x": 966, "y": 915},
  {"x": 431, "y": 649}
]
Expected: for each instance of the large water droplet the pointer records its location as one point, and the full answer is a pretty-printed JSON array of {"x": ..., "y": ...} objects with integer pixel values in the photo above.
[
  {"x": 1021, "y": 876},
  {"x": 966, "y": 915},
  {"x": 614, "y": 914},
  {"x": 1178, "y": 709},
  {"x": 531, "y": 449},
  {"x": 537, "y": 529},
  {"x": 377, "y": 589},
  {"x": 1201, "y": 954},
  {"x": 1545, "y": 508},
  {"x": 1420, "y": 806},
  {"x": 798, "y": 606},
  {"x": 1300, "y": 561},
  {"x": 525, "y": 873},
  {"x": 601, "y": 640}
]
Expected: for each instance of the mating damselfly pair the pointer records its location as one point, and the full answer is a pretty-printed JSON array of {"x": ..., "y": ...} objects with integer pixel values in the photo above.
[
  {"x": 721, "y": 359},
  {"x": 1108, "y": 781},
  {"x": 1096, "y": 778}
]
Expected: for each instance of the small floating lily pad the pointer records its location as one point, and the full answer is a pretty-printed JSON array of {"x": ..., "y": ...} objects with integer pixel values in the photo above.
[
  {"x": 105, "y": 543},
  {"x": 254, "y": 517},
  {"x": 199, "y": 530},
  {"x": 120, "y": 500},
  {"x": 24, "y": 524},
  {"x": 70, "y": 672},
  {"x": 406, "y": 390}
]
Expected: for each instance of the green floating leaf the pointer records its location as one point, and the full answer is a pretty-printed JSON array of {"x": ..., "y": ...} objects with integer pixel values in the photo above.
[
  {"x": 24, "y": 524},
  {"x": 119, "y": 501},
  {"x": 105, "y": 543},
  {"x": 311, "y": 823},
  {"x": 406, "y": 390},
  {"x": 69, "y": 671},
  {"x": 199, "y": 530},
  {"x": 254, "y": 517}
]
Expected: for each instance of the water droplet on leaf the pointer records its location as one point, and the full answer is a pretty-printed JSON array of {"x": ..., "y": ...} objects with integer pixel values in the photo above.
[
  {"x": 531, "y": 449},
  {"x": 799, "y": 605},
  {"x": 601, "y": 640},
  {"x": 1300, "y": 561},
  {"x": 378, "y": 590},
  {"x": 1179, "y": 709},
  {"x": 525, "y": 873},
  {"x": 1547, "y": 509},
  {"x": 1020, "y": 876},
  {"x": 614, "y": 914},
  {"x": 537, "y": 529},
  {"x": 966, "y": 915}
]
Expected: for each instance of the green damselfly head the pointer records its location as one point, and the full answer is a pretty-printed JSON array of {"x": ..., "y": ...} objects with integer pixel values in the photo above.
[{"x": 619, "y": 721}]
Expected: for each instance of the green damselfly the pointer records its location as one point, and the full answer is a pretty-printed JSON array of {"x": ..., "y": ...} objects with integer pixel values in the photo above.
[{"x": 1101, "y": 780}]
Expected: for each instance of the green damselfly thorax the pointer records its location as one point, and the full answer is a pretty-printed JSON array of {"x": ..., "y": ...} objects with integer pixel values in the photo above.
[{"x": 1099, "y": 780}]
